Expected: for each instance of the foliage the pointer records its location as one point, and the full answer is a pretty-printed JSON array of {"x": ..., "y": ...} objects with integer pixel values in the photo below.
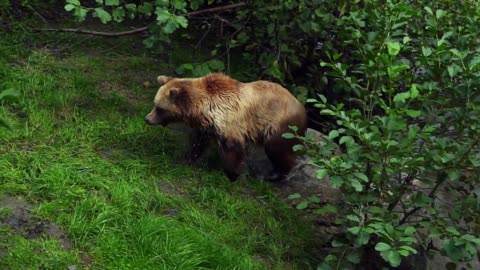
[
  {"x": 400, "y": 81},
  {"x": 410, "y": 167}
]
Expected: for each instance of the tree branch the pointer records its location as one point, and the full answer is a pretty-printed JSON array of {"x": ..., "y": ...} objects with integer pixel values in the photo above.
[{"x": 137, "y": 30}]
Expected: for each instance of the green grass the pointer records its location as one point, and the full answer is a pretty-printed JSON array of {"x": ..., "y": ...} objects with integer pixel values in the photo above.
[{"x": 80, "y": 154}]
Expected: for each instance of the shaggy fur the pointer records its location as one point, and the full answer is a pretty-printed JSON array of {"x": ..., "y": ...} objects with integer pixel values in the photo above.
[{"x": 235, "y": 113}]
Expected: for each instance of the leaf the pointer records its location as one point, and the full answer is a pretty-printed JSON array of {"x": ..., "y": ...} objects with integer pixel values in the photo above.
[
  {"x": 347, "y": 140},
  {"x": 361, "y": 176},
  {"x": 104, "y": 16},
  {"x": 414, "y": 91},
  {"x": 381, "y": 246},
  {"x": 392, "y": 256},
  {"x": 314, "y": 199},
  {"x": 322, "y": 98},
  {"x": 112, "y": 2},
  {"x": 321, "y": 173},
  {"x": 146, "y": 8},
  {"x": 74, "y": 2},
  {"x": 413, "y": 113},
  {"x": 453, "y": 70},
  {"x": 170, "y": 27},
  {"x": 294, "y": 196},
  {"x": 393, "y": 48},
  {"x": 353, "y": 258},
  {"x": 327, "y": 209},
  {"x": 302, "y": 205},
  {"x": 354, "y": 230},
  {"x": 183, "y": 22},
  {"x": 333, "y": 134},
  {"x": 401, "y": 97},
  {"x": 410, "y": 249},
  {"x": 356, "y": 185},
  {"x": 439, "y": 13},
  {"x": 118, "y": 14},
  {"x": 427, "y": 51},
  {"x": 69, "y": 7},
  {"x": 179, "y": 4},
  {"x": 375, "y": 210},
  {"x": 410, "y": 230},
  {"x": 288, "y": 135},
  {"x": 294, "y": 128},
  {"x": 429, "y": 10},
  {"x": 216, "y": 65},
  {"x": 297, "y": 148}
]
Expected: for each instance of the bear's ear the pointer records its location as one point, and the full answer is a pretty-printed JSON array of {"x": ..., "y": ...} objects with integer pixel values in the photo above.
[{"x": 163, "y": 79}]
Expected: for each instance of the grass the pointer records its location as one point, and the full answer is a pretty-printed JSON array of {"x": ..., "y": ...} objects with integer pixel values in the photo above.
[{"x": 80, "y": 154}]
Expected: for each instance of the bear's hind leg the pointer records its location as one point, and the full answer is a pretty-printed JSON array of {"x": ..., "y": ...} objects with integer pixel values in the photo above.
[
  {"x": 232, "y": 155},
  {"x": 279, "y": 151}
]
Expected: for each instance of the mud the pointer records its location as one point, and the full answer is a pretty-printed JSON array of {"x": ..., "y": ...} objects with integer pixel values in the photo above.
[{"x": 22, "y": 222}]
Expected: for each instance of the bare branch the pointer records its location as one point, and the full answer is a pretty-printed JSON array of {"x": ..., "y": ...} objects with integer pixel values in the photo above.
[{"x": 137, "y": 30}]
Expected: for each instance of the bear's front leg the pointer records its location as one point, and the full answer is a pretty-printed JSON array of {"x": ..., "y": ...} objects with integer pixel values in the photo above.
[
  {"x": 199, "y": 140},
  {"x": 232, "y": 155}
]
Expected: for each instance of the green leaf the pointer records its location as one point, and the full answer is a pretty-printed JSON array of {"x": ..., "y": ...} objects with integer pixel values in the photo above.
[
  {"x": 314, "y": 199},
  {"x": 453, "y": 70},
  {"x": 216, "y": 65},
  {"x": 104, "y": 16},
  {"x": 353, "y": 258},
  {"x": 294, "y": 196},
  {"x": 410, "y": 249},
  {"x": 170, "y": 27},
  {"x": 440, "y": 13},
  {"x": 381, "y": 246},
  {"x": 413, "y": 113},
  {"x": 327, "y": 209},
  {"x": 297, "y": 147},
  {"x": 118, "y": 14},
  {"x": 356, "y": 185},
  {"x": 333, "y": 134},
  {"x": 146, "y": 8},
  {"x": 354, "y": 230},
  {"x": 393, "y": 48},
  {"x": 69, "y": 7},
  {"x": 112, "y": 2},
  {"x": 401, "y": 97},
  {"x": 80, "y": 13},
  {"x": 288, "y": 135},
  {"x": 414, "y": 91},
  {"x": 375, "y": 210},
  {"x": 361, "y": 176},
  {"x": 392, "y": 256},
  {"x": 347, "y": 140},
  {"x": 427, "y": 51},
  {"x": 74, "y": 2},
  {"x": 321, "y": 173},
  {"x": 183, "y": 22},
  {"x": 410, "y": 230},
  {"x": 302, "y": 205},
  {"x": 179, "y": 4}
]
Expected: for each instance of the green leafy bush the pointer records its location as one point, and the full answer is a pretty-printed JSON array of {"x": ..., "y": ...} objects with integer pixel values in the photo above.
[{"x": 409, "y": 172}]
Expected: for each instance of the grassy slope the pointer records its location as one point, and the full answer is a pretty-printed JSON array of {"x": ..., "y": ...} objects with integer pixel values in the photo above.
[{"x": 79, "y": 152}]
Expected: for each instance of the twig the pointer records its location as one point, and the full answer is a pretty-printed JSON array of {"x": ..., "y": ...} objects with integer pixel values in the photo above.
[{"x": 137, "y": 30}]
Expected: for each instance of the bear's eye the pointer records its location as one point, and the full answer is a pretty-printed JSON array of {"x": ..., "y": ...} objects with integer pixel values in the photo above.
[{"x": 159, "y": 110}]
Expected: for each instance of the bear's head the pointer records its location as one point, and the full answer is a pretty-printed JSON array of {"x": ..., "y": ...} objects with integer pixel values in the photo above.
[{"x": 172, "y": 101}]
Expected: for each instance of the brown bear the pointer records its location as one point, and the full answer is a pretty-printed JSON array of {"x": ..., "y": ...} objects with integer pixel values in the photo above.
[{"x": 234, "y": 113}]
